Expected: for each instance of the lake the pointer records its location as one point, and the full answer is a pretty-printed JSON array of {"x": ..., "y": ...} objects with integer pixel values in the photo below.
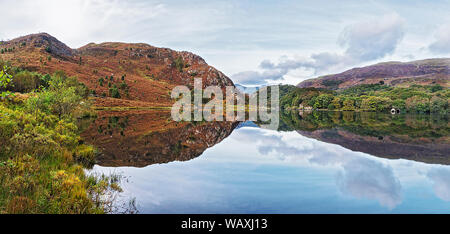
[{"x": 318, "y": 162}]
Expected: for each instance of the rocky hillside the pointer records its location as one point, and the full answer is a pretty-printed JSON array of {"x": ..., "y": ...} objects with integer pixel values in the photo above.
[
  {"x": 423, "y": 72},
  {"x": 144, "y": 75}
]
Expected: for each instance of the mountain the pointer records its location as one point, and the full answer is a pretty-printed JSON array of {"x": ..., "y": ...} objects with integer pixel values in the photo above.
[
  {"x": 423, "y": 72},
  {"x": 245, "y": 89},
  {"x": 149, "y": 72}
]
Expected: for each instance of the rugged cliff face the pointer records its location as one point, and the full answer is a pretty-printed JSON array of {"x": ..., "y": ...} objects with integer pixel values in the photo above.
[
  {"x": 423, "y": 72},
  {"x": 142, "y": 138},
  {"x": 149, "y": 72}
]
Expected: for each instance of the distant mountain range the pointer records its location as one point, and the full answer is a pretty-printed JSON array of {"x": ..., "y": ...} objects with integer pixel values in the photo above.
[{"x": 422, "y": 72}]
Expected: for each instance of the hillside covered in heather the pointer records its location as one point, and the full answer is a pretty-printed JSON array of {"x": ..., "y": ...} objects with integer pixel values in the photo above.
[{"x": 117, "y": 74}]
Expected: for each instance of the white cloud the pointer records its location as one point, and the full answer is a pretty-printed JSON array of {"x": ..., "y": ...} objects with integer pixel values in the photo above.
[
  {"x": 257, "y": 78},
  {"x": 363, "y": 41},
  {"x": 372, "y": 39},
  {"x": 369, "y": 179},
  {"x": 78, "y": 22},
  {"x": 440, "y": 178},
  {"x": 441, "y": 45}
]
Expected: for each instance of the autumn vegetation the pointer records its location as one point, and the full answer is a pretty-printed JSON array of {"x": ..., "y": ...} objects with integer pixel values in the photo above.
[{"x": 42, "y": 156}]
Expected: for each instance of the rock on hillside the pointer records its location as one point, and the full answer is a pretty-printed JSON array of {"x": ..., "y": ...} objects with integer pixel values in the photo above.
[
  {"x": 423, "y": 72},
  {"x": 41, "y": 41}
]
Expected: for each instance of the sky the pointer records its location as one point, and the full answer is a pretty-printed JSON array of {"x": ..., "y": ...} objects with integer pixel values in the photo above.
[{"x": 255, "y": 42}]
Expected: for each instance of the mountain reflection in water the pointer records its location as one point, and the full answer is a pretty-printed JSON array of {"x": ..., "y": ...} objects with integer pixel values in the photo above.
[
  {"x": 142, "y": 138},
  {"x": 424, "y": 138},
  {"x": 320, "y": 162}
]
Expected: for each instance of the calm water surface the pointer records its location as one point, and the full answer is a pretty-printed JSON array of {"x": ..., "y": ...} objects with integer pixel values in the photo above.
[{"x": 315, "y": 163}]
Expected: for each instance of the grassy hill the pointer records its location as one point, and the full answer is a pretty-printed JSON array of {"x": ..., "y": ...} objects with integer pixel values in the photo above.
[{"x": 117, "y": 74}]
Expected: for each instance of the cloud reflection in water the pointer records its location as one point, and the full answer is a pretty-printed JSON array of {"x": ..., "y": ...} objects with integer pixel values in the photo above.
[{"x": 360, "y": 177}]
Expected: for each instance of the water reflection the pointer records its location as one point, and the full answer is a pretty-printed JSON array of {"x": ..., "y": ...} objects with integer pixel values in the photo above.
[
  {"x": 364, "y": 178},
  {"x": 441, "y": 181},
  {"x": 357, "y": 176},
  {"x": 142, "y": 138},
  {"x": 316, "y": 163},
  {"x": 422, "y": 138}
]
